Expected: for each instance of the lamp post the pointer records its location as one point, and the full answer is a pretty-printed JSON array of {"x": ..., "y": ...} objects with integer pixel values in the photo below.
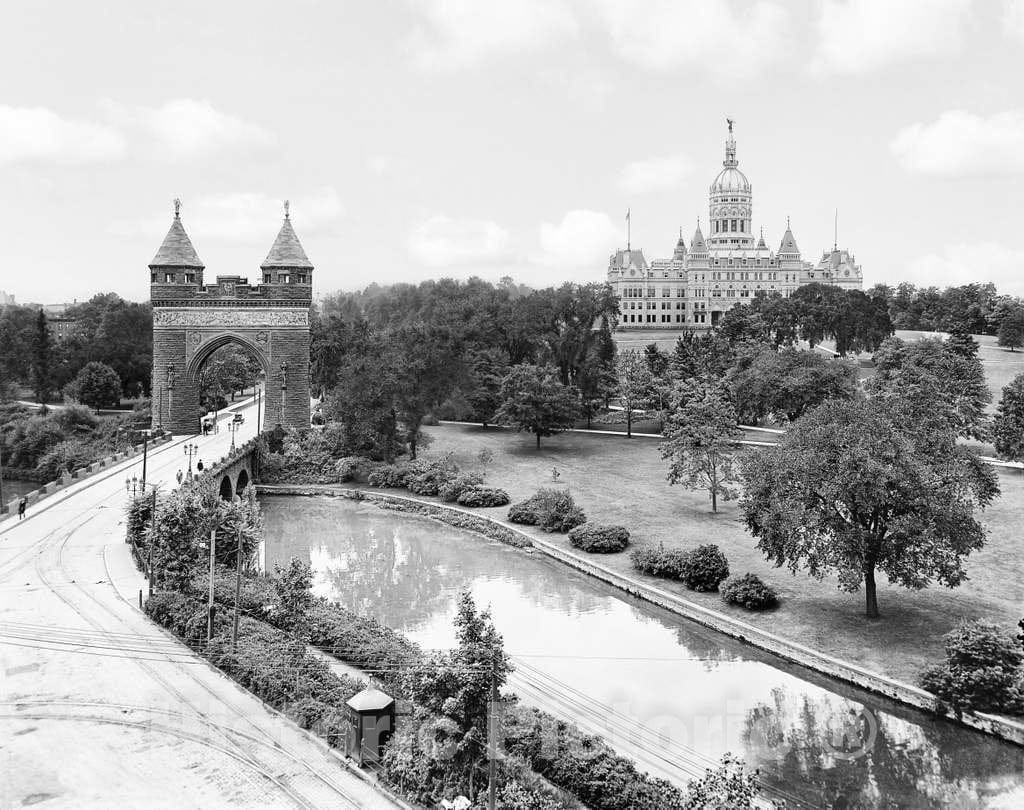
[
  {"x": 190, "y": 451},
  {"x": 233, "y": 427},
  {"x": 284, "y": 389}
]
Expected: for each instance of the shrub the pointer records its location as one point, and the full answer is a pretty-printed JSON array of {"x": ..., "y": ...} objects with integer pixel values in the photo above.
[
  {"x": 659, "y": 562},
  {"x": 705, "y": 568},
  {"x": 452, "y": 488},
  {"x": 388, "y": 476},
  {"x": 600, "y": 539},
  {"x": 553, "y": 510},
  {"x": 427, "y": 477},
  {"x": 749, "y": 591},
  {"x": 700, "y": 569},
  {"x": 347, "y": 467},
  {"x": 483, "y": 496},
  {"x": 982, "y": 670}
]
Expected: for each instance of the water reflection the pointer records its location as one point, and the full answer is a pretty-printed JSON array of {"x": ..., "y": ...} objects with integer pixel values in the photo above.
[{"x": 672, "y": 695}]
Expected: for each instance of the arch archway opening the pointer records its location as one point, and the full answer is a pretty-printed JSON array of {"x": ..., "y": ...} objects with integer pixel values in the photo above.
[
  {"x": 242, "y": 483},
  {"x": 226, "y": 490}
]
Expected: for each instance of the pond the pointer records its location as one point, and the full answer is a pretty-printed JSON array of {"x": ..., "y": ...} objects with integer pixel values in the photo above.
[
  {"x": 15, "y": 488},
  {"x": 662, "y": 690}
]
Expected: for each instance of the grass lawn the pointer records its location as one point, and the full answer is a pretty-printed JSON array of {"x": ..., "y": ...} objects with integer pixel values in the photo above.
[{"x": 619, "y": 480}]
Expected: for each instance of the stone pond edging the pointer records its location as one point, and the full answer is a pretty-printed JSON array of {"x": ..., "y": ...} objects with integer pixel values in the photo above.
[{"x": 459, "y": 517}]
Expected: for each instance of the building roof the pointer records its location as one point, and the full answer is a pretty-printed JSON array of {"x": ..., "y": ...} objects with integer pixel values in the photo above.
[
  {"x": 788, "y": 244},
  {"x": 680, "y": 251},
  {"x": 370, "y": 700},
  {"x": 627, "y": 259},
  {"x": 287, "y": 249},
  {"x": 177, "y": 250},
  {"x": 697, "y": 244}
]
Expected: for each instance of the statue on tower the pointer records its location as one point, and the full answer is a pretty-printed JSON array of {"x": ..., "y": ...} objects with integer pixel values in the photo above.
[{"x": 730, "y": 122}]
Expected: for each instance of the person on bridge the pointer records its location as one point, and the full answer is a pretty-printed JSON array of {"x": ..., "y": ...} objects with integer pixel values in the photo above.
[
  {"x": 179, "y": 476},
  {"x": 199, "y": 466},
  {"x": 22, "y": 506}
]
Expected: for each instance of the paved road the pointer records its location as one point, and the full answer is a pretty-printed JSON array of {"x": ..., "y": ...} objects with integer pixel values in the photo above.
[{"x": 99, "y": 707}]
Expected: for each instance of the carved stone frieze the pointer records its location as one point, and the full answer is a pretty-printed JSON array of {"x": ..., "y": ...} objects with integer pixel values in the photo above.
[{"x": 230, "y": 317}]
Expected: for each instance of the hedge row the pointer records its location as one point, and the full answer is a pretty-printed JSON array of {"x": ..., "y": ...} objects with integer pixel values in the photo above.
[
  {"x": 581, "y": 764},
  {"x": 266, "y": 662},
  {"x": 440, "y": 477}
]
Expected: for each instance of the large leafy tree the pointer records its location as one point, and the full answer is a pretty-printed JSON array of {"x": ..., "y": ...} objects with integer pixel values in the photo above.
[
  {"x": 700, "y": 441},
  {"x": 97, "y": 385},
  {"x": 848, "y": 491},
  {"x": 596, "y": 376},
  {"x": 1011, "y": 330},
  {"x": 534, "y": 399},
  {"x": 1008, "y": 425},
  {"x": 787, "y": 383},
  {"x": 42, "y": 356},
  {"x": 931, "y": 379},
  {"x": 17, "y": 332},
  {"x": 635, "y": 384},
  {"x": 426, "y": 366}
]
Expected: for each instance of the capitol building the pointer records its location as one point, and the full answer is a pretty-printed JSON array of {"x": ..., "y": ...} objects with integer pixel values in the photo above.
[{"x": 715, "y": 272}]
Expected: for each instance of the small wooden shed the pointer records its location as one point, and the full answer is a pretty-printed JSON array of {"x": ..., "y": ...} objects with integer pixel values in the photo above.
[{"x": 371, "y": 716}]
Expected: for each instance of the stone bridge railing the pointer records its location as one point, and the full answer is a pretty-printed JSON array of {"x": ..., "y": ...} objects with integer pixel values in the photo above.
[{"x": 64, "y": 481}]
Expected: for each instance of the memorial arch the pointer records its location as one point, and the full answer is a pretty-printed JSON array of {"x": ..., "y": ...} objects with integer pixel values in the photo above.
[{"x": 191, "y": 320}]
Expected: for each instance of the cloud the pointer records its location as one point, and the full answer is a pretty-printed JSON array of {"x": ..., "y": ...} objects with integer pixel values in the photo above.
[
  {"x": 458, "y": 33},
  {"x": 185, "y": 129},
  {"x": 581, "y": 241},
  {"x": 966, "y": 263},
  {"x": 442, "y": 241},
  {"x": 722, "y": 38},
  {"x": 39, "y": 135},
  {"x": 655, "y": 174},
  {"x": 960, "y": 143},
  {"x": 1013, "y": 18},
  {"x": 244, "y": 216},
  {"x": 858, "y": 36}
]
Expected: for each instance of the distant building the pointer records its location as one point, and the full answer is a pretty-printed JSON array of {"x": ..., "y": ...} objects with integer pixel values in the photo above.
[
  {"x": 700, "y": 282},
  {"x": 61, "y": 325},
  {"x": 6, "y": 300}
]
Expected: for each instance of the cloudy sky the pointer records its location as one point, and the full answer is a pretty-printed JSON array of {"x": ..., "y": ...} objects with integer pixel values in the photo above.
[{"x": 420, "y": 138}]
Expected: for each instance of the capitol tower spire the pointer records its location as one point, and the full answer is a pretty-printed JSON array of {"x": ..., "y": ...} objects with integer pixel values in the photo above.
[{"x": 730, "y": 202}]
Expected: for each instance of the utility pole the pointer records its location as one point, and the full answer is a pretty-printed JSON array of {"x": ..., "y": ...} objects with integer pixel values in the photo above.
[
  {"x": 152, "y": 540},
  {"x": 145, "y": 447},
  {"x": 492, "y": 740},
  {"x": 212, "y": 607},
  {"x": 238, "y": 590}
]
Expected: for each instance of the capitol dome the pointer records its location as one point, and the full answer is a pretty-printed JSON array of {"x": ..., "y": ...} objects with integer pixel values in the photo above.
[{"x": 730, "y": 179}]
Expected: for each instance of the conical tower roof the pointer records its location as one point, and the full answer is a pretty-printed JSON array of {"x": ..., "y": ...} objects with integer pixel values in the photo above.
[
  {"x": 177, "y": 250},
  {"x": 680, "y": 251},
  {"x": 697, "y": 244},
  {"x": 287, "y": 249},
  {"x": 788, "y": 242}
]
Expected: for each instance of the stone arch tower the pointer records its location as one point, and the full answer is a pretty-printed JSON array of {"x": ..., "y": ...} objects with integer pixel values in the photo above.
[{"x": 192, "y": 319}]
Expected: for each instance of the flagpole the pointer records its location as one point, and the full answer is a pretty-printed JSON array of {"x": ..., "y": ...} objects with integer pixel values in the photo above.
[{"x": 628, "y": 240}]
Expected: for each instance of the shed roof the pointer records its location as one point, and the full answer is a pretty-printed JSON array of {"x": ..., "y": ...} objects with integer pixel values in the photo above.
[{"x": 370, "y": 700}]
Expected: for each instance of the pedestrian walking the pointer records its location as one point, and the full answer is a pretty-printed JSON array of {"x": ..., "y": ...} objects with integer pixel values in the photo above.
[
  {"x": 199, "y": 466},
  {"x": 180, "y": 476},
  {"x": 22, "y": 506}
]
